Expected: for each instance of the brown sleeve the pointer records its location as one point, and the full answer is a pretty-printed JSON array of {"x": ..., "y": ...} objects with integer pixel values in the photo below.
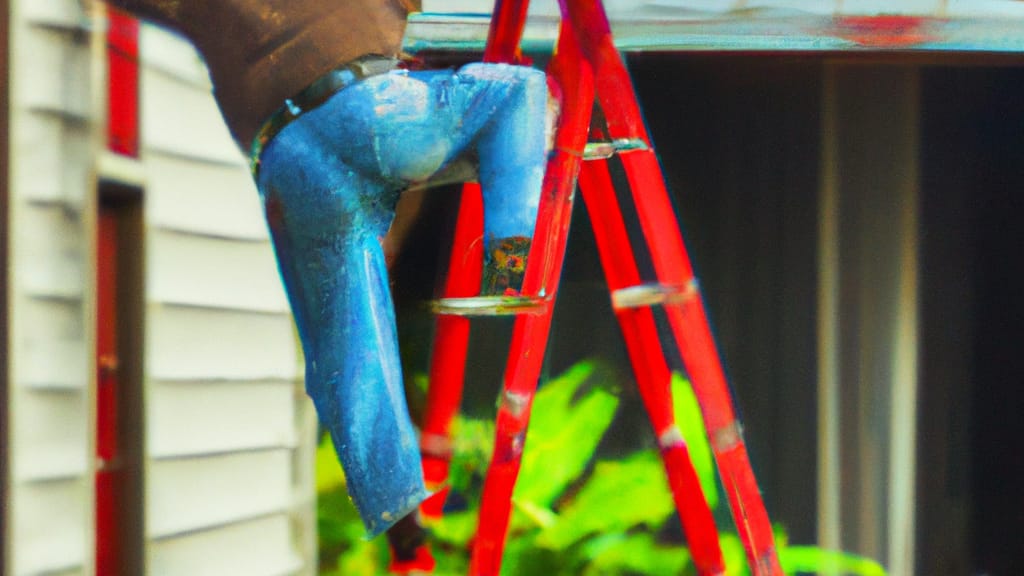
[{"x": 261, "y": 52}]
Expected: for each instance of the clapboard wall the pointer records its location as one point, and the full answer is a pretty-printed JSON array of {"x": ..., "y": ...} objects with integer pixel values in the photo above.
[
  {"x": 228, "y": 432},
  {"x": 228, "y": 426},
  {"x": 49, "y": 507}
]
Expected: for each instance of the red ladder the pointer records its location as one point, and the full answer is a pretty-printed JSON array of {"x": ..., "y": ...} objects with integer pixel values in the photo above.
[{"x": 586, "y": 64}]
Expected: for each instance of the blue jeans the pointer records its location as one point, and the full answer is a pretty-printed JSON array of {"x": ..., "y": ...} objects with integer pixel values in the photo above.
[{"x": 330, "y": 181}]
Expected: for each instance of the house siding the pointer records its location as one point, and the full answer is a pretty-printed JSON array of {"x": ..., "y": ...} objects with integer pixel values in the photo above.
[
  {"x": 230, "y": 432},
  {"x": 49, "y": 506}
]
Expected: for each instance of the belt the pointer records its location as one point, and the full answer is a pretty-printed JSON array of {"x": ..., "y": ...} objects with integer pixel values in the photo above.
[{"x": 316, "y": 94}]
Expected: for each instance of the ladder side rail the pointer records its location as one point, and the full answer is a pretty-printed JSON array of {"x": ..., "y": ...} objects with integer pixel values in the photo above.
[
  {"x": 688, "y": 318},
  {"x": 574, "y": 80},
  {"x": 650, "y": 368},
  {"x": 465, "y": 265}
]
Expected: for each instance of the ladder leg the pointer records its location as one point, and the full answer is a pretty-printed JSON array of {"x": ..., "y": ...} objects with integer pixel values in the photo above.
[
  {"x": 650, "y": 368},
  {"x": 688, "y": 318},
  {"x": 530, "y": 332},
  {"x": 451, "y": 340},
  {"x": 448, "y": 356},
  {"x": 505, "y": 32},
  {"x": 689, "y": 323}
]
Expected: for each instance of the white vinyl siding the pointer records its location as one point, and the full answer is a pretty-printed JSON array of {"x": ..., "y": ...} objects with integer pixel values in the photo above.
[
  {"x": 188, "y": 196},
  {"x": 258, "y": 546},
  {"x": 180, "y": 117},
  {"x": 50, "y": 519},
  {"x": 199, "y": 343},
  {"x": 190, "y": 494},
  {"x": 229, "y": 431},
  {"x": 193, "y": 270},
  {"x": 48, "y": 258},
  {"x": 49, "y": 432},
  {"x": 248, "y": 415},
  {"x": 49, "y": 399}
]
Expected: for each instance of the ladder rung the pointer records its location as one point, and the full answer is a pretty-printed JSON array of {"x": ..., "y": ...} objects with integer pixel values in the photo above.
[
  {"x": 489, "y": 305},
  {"x": 653, "y": 295},
  {"x": 605, "y": 150}
]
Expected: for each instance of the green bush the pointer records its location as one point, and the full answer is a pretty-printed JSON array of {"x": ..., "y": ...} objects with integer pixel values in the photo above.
[{"x": 572, "y": 514}]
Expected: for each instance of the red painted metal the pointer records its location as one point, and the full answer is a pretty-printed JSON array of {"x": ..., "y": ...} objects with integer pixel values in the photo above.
[
  {"x": 107, "y": 517},
  {"x": 448, "y": 356},
  {"x": 451, "y": 339},
  {"x": 123, "y": 85},
  {"x": 465, "y": 268},
  {"x": 649, "y": 366},
  {"x": 505, "y": 31},
  {"x": 451, "y": 336},
  {"x": 585, "y": 47},
  {"x": 689, "y": 323},
  {"x": 530, "y": 332},
  {"x": 687, "y": 319}
]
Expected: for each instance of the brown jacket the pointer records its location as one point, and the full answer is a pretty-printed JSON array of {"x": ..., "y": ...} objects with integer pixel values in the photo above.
[{"x": 261, "y": 52}]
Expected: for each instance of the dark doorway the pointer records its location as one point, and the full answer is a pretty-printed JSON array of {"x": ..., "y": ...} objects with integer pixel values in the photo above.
[{"x": 119, "y": 407}]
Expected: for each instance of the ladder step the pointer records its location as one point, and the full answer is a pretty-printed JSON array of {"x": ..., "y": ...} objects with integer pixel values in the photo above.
[
  {"x": 489, "y": 305},
  {"x": 605, "y": 150},
  {"x": 653, "y": 295}
]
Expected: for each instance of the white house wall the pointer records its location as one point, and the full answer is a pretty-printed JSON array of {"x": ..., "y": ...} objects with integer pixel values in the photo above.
[
  {"x": 49, "y": 404},
  {"x": 218, "y": 422},
  {"x": 239, "y": 548},
  {"x": 229, "y": 429},
  {"x": 189, "y": 269},
  {"x": 194, "y": 197}
]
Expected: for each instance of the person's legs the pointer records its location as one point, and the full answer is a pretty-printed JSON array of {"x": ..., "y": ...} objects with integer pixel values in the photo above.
[
  {"x": 330, "y": 181},
  {"x": 417, "y": 123},
  {"x": 512, "y": 155},
  {"x": 326, "y": 221}
]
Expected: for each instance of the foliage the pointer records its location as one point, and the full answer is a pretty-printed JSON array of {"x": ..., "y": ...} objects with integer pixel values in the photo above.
[
  {"x": 572, "y": 515},
  {"x": 808, "y": 559}
]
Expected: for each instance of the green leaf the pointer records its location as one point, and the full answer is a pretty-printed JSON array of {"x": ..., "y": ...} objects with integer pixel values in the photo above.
[
  {"x": 620, "y": 495},
  {"x": 450, "y": 563},
  {"x": 541, "y": 516},
  {"x": 615, "y": 554},
  {"x": 329, "y": 475},
  {"x": 522, "y": 558},
  {"x": 473, "y": 444},
  {"x": 810, "y": 559},
  {"x": 565, "y": 429},
  {"x": 341, "y": 533},
  {"x": 734, "y": 555},
  {"x": 364, "y": 558},
  {"x": 691, "y": 424},
  {"x": 593, "y": 530},
  {"x": 455, "y": 528}
]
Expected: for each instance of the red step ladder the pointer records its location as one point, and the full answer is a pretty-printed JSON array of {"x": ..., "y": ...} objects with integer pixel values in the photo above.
[{"x": 585, "y": 69}]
